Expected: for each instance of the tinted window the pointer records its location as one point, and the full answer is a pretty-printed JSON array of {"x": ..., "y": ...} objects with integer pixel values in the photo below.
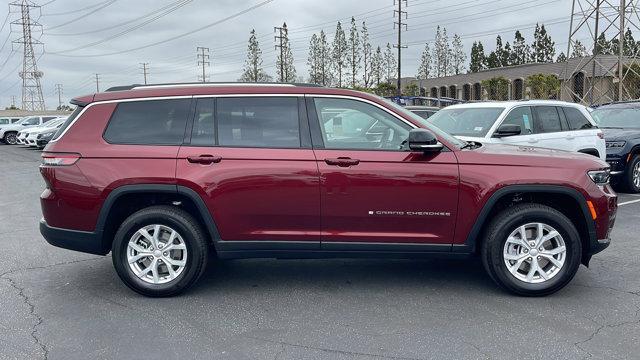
[
  {"x": 351, "y": 124},
  {"x": 258, "y": 122},
  {"x": 48, "y": 118},
  {"x": 547, "y": 119},
  {"x": 31, "y": 121},
  {"x": 4, "y": 121},
  {"x": 576, "y": 120},
  {"x": 159, "y": 122},
  {"x": 521, "y": 116},
  {"x": 203, "y": 132}
]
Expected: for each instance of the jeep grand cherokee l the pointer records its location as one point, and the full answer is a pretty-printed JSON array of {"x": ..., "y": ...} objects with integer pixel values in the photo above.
[{"x": 163, "y": 175}]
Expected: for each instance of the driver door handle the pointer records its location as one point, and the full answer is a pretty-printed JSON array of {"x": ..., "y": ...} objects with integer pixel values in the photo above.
[{"x": 342, "y": 161}]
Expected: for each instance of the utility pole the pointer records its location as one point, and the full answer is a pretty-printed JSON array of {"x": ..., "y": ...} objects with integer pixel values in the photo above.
[
  {"x": 621, "y": 15},
  {"x": 203, "y": 60},
  {"x": 32, "y": 98},
  {"x": 97, "y": 83},
  {"x": 145, "y": 71},
  {"x": 282, "y": 35},
  {"x": 13, "y": 101},
  {"x": 399, "y": 45},
  {"x": 59, "y": 92}
]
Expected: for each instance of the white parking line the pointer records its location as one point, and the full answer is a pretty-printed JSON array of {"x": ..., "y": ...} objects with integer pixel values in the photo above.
[{"x": 629, "y": 202}]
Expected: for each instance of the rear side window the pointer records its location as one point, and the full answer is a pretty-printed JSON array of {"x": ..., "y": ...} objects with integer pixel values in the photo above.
[
  {"x": 149, "y": 122},
  {"x": 48, "y": 118},
  {"x": 258, "y": 122},
  {"x": 548, "y": 119},
  {"x": 4, "y": 121},
  {"x": 576, "y": 120}
]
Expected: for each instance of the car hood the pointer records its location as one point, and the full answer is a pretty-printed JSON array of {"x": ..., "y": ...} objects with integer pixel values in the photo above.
[
  {"x": 40, "y": 130},
  {"x": 527, "y": 156},
  {"x": 621, "y": 134},
  {"x": 13, "y": 127}
]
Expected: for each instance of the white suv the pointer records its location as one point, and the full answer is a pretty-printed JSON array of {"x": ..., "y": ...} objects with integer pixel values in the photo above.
[
  {"x": 9, "y": 133},
  {"x": 541, "y": 123}
]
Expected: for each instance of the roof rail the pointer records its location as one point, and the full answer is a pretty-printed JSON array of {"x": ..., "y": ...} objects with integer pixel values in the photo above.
[{"x": 154, "y": 86}]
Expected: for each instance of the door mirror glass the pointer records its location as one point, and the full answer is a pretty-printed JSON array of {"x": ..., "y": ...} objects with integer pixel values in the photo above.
[
  {"x": 507, "y": 130},
  {"x": 423, "y": 140}
]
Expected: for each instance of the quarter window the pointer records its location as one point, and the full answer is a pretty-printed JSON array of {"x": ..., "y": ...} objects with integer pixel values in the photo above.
[
  {"x": 153, "y": 122},
  {"x": 576, "y": 120},
  {"x": 352, "y": 124},
  {"x": 547, "y": 119},
  {"x": 258, "y": 122},
  {"x": 521, "y": 116}
]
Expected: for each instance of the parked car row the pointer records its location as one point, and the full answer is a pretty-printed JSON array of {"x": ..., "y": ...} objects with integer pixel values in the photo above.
[
  {"x": 610, "y": 132},
  {"x": 33, "y": 131}
]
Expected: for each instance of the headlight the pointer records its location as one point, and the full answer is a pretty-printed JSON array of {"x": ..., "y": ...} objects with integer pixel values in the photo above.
[
  {"x": 616, "y": 144},
  {"x": 600, "y": 177},
  {"x": 47, "y": 134}
]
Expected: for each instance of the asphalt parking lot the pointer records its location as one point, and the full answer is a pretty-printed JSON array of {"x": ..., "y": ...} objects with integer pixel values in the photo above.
[{"x": 58, "y": 304}]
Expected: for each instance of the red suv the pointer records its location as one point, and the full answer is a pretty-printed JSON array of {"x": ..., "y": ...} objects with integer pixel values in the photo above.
[{"x": 164, "y": 175}]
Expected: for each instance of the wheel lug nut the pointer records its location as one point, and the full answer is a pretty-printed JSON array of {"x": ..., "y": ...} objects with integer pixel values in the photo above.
[
  {"x": 151, "y": 248},
  {"x": 541, "y": 248},
  {"x": 526, "y": 251},
  {"x": 165, "y": 254},
  {"x": 538, "y": 257},
  {"x": 532, "y": 243},
  {"x": 529, "y": 259}
]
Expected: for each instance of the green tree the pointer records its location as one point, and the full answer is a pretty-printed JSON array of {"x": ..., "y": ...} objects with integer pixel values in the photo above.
[
  {"x": 478, "y": 59},
  {"x": 385, "y": 89},
  {"x": 390, "y": 63},
  {"x": 424, "y": 70},
  {"x": 339, "y": 52},
  {"x": 412, "y": 90},
  {"x": 377, "y": 66},
  {"x": 354, "y": 52},
  {"x": 543, "y": 48},
  {"x": 366, "y": 56},
  {"x": 603, "y": 47},
  {"x": 543, "y": 86},
  {"x": 561, "y": 58},
  {"x": 521, "y": 51},
  {"x": 579, "y": 50},
  {"x": 497, "y": 88},
  {"x": 325, "y": 76},
  {"x": 492, "y": 61},
  {"x": 253, "y": 71},
  {"x": 313, "y": 60},
  {"x": 458, "y": 56}
]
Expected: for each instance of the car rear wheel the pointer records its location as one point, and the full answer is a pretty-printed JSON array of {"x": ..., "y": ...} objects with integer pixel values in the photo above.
[
  {"x": 531, "y": 250},
  {"x": 633, "y": 175},
  {"x": 10, "y": 138},
  {"x": 159, "y": 251}
]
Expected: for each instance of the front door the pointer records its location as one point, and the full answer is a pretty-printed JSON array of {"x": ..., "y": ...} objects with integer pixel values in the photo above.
[
  {"x": 373, "y": 190},
  {"x": 251, "y": 160}
]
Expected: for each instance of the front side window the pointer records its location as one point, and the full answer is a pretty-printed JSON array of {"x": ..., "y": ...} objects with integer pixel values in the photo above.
[
  {"x": 352, "y": 124},
  {"x": 520, "y": 116},
  {"x": 474, "y": 122},
  {"x": 576, "y": 120},
  {"x": 271, "y": 122},
  {"x": 31, "y": 121},
  {"x": 548, "y": 120},
  {"x": 4, "y": 121},
  {"x": 149, "y": 122}
]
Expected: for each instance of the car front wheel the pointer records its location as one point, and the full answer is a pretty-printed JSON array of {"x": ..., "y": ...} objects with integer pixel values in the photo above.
[
  {"x": 531, "y": 250},
  {"x": 633, "y": 175},
  {"x": 159, "y": 251},
  {"x": 10, "y": 138}
]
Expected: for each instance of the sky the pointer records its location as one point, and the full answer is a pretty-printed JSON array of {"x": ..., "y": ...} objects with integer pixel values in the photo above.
[{"x": 111, "y": 38}]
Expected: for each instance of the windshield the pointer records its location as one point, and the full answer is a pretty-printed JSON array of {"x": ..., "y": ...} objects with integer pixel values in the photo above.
[
  {"x": 54, "y": 123},
  {"x": 474, "y": 122},
  {"x": 426, "y": 124},
  {"x": 617, "y": 117}
]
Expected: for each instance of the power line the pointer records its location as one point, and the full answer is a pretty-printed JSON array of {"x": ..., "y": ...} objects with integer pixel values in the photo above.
[
  {"x": 230, "y": 17},
  {"x": 83, "y": 16},
  {"x": 76, "y": 10}
]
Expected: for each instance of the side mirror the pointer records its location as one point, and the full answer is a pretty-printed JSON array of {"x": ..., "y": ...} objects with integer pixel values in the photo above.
[
  {"x": 505, "y": 130},
  {"x": 423, "y": 140}
]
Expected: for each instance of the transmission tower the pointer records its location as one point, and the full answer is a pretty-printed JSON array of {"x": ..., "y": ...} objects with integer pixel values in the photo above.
[
  {"x": 399, "y": 12},
  {"x": 609, "y": 69},
  {"x": 32, "y": 99},
  {"x": 59, "y": 93},
  {"x": 203, "y": 60}
]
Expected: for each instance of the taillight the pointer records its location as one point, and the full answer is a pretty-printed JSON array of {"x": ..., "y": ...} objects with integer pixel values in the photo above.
[
  {"x": 600, "y": 134},
  {"x": 59, "y": 159}
]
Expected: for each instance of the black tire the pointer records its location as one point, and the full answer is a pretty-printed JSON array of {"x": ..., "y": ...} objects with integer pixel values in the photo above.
[
  {"x": 194, "y": 239},
  {"x": 10, "y": 138},
  {"x": 629, "y": 184},
  {"x": 509, "y": 220}
]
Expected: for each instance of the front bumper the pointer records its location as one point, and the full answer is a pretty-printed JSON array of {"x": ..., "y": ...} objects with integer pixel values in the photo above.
[
  {"x": 83, "y": 241},
  {"x": 617, "y": 163}
]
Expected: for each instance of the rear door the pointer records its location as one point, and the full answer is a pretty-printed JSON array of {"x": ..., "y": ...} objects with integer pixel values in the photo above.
[
  {"x": 250, "y": 159},
  {"x": 549, "y": 129},
  {"x": 582, "y": 133}
]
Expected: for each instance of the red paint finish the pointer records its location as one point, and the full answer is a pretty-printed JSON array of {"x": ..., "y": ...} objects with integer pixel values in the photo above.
[
  {"x": 266, "y": 194},
  {"x": 388, "y": 196}
]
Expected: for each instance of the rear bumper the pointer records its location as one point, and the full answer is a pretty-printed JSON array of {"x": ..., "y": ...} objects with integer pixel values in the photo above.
[{"x": 83, "y": 241}]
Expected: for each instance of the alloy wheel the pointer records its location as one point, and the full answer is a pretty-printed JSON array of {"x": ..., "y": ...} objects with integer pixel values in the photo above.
[
  {"x": 11, "y": 139},
  {"x": 156, "y": 254},
  {"x": 534, "y": 253},
  {"x": 635, "y": 175}
]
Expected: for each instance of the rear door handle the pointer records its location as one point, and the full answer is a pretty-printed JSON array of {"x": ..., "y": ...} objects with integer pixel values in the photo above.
[
  {"x": 205, "y": 159},
  {"x": 570, "y": 137},
  {"x": 342, "y": 161}
]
